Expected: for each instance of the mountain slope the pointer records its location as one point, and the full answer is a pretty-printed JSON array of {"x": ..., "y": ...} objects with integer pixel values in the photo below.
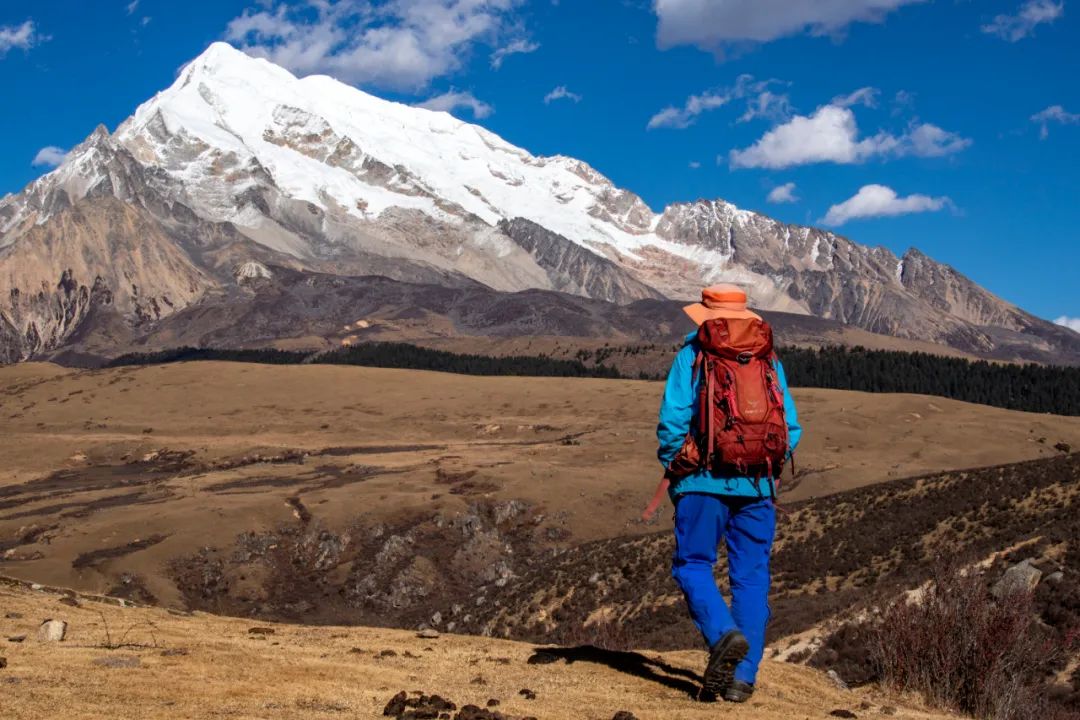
[{"x": 240, "y": 161}]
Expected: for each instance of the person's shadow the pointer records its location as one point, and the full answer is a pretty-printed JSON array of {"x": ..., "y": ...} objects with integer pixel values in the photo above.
[{"x": 632, "y": 663}]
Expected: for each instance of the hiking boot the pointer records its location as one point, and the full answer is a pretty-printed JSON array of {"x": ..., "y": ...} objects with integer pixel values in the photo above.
[
  {"x": 738, "y": 691},
  {"x": 724, "y": 656}
]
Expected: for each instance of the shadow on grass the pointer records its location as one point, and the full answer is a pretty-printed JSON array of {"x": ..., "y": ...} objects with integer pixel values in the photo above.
[{"x": 631, "y": 663}]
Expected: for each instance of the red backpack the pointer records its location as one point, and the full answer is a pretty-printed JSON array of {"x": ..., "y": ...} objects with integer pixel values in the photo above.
[{"x": 740, "y": 430}]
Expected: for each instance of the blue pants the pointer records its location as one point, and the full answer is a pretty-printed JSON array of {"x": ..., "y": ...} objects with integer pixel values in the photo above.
[{"x": 748, "y": 524}]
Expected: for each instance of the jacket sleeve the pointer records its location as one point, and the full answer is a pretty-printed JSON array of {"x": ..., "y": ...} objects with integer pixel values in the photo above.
[
  {"x": 790, "y": 413},
  {"x": 677, "y": 408}
]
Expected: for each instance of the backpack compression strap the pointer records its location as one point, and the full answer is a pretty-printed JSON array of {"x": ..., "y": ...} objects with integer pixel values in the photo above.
[{"x": 658, "y": 497}]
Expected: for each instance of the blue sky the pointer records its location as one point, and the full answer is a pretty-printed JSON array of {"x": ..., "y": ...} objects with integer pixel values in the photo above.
[{"x": 949, "y": 125}]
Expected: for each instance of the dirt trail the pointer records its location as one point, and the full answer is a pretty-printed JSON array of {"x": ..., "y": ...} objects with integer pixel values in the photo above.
[{"x": 202, "y": 666}]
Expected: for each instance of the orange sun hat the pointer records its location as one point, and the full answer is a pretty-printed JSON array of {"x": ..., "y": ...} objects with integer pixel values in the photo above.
[{"x": 720, "y": 301}]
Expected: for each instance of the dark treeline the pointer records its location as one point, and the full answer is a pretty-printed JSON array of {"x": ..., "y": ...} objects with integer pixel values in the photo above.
[
  {"x": 401, "y": 355},
  {"x": 188, "y": 354},
  {"x": 387, "y": 355},
  {"x": 1034, "y": 388}
]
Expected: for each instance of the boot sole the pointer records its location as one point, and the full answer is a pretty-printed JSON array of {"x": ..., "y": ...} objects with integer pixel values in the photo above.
[
  {"x": 721, "y": 670},
  {"x": 736, "y": 696}
]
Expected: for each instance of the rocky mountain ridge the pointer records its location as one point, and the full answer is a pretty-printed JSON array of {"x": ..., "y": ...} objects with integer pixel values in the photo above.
[{"x": 240, "y": 162}]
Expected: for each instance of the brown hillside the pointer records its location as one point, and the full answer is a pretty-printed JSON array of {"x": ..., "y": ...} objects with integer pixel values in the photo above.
[
  {"x": 393, "y": 494},
  {"x": 148, "y": 663},
  {"x": 834, "y": 556}
]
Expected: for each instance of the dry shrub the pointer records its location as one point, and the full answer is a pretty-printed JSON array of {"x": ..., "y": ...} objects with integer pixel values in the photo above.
[
  {"x": 846, "y": 652},
  {"x": 961, "y": 649},
  {"x": 604, "y": 634}
]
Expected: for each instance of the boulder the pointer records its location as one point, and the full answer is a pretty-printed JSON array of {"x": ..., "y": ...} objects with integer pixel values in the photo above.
[
  {"x": 837, "y": 680},
  {"x": 52, "y": 631},
  {"x": 1021, "y": 577}
]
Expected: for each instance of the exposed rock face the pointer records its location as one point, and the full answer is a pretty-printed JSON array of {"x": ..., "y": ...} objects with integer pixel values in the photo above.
[
  {"x": 239, "y": 166},
  {"x": 107, "y": 254},
  {"x": 573, "y": 269}
]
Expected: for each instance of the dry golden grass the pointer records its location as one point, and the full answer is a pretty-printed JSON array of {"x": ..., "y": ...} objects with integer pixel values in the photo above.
[
  {"x": 314, "y": 672},
  {"x": 508, "y": 432}
]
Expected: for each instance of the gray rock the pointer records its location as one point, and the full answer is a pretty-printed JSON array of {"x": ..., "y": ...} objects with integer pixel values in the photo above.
[
  {"x": 428, "y": 634},
  {"x": 508, "y": 510},
  {"x": 837, "y": 680},
  {"x": 52, "y": 631},
  {"x": 1054, "y": 578},
  {"x": 1022, "y": 577}
]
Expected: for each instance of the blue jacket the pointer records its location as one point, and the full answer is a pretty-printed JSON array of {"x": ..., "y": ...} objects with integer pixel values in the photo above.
[{"x": 678, "y": 411}]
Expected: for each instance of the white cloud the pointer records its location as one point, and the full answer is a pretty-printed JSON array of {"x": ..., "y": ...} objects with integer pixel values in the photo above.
[
  {"x": 768, "y": 105},
  {"x": 831, "y": 134},
  {"x": 866, "y": 96},
  {"x": 453, "y": 100},
  {"x": 928, "y": 140},
  {"x": 561, "y": 93},
  {"x": 1069, "y": 322},
  {"x": 712, "y": 24},
  {"x": 520, "y": 46},
  {"x": 1032, "y": 13},
  {"x": 881, "y": 201},
  {"x": 50, "y": 156},
  {"x": 1053, "y": 114},
  {"x": 695, "y": 165},
  {"x": 902, "y": 101},
  {"x": 684, "y": 117},
  {"x": 396, "y": 44},
  {"x": 782, "y": 194},
  {"x": 132, "y": 7},
  {"x": 23, "y": 36},
  {"x": 760, "y": 103}
]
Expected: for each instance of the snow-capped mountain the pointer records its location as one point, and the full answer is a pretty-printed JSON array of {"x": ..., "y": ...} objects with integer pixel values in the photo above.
[{"x": 240, "y": 165}]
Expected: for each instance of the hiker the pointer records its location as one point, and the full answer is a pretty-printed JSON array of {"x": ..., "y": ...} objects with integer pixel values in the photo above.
[{"x": 722, "y": 457}]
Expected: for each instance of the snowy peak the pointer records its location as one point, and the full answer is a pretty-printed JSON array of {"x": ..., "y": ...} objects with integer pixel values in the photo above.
[
  {"x": 243, "y": 167},
  {"x": 338, "y": 147}
]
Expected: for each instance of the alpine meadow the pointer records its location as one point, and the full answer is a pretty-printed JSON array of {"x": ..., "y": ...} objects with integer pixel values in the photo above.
[{"x": 515, "y": 359}]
